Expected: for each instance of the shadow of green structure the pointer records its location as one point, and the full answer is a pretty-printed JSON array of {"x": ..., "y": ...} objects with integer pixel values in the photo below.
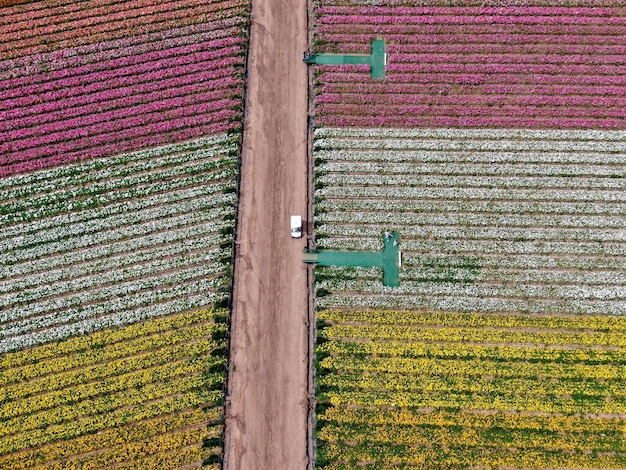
[
  {"x": 390, "y": 259},
  {"x": 377, "y": 60}
]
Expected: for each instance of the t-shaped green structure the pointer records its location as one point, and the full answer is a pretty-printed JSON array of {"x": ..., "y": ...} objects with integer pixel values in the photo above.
[
  {"x": 377, "y": 60},
  {"x": 390, "y": 259}
]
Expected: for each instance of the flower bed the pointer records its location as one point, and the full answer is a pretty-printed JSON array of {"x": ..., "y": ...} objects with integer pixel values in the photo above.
[
  {"x": 491, "y": 221},
  {"x": 117, "y": 240},
  {"x": 154, "y": 78},
  {"x": 147, "y": 395},
  {"x": 561, "y": 67},
  {"x": 439, "y": 390}
]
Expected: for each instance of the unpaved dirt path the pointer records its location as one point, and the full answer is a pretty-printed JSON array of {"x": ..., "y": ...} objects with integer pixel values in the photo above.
[{"x": 266, "y": 413}]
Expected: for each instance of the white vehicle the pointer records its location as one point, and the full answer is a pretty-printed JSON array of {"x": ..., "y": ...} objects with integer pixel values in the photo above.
[{"x": 296, "y": 226}]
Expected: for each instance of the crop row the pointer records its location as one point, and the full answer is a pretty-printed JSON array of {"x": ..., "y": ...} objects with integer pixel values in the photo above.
[
  {"x": 466, "y": 56},
  {"x": 98, "y": 249},
  {"x": 62, "y": 28},
  {"x": 496, "y": 221},
  {"x": 139, "y": 393},
  {"x": 448, "y": 397}
]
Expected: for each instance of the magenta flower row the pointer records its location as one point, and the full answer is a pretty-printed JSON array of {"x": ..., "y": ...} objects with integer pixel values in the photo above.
[
  {"x": 21, "y": 137},
  {"x": 56, "y": 109},
  {"x": 154, "y": 115},
  {"x": 150, "y": 137},
  {"x": 165, "y": 58},
  {"x": 468, "y": 10},
  {"x": 492, "y": 121},
  {"x": 97, "y": 53},
  {"x": 451, "y": 19}
]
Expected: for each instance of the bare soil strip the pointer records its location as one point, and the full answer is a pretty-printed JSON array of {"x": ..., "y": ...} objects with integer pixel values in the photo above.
[{"x": 267, "y": 398}]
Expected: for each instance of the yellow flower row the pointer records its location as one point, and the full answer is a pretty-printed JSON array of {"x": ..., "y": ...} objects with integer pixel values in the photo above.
[
  {"x": 472, "y": 351},
  {"x": 429, "y": 383},
  {"x": 106, "y": 338},
  {"x": 73, "y": 428},
  {"x": 475, "y": 368},
  {"x": 159, "y": 445},
  {"x": 478, "y": 335},
  {"x": 476, "y": 401},
  {"x": 109, "y": 353},
  {"x": 413, "y": 317},
  {"x": 107, "y": 386},
  {"x": 503, "y": 420},
  {"x": 462, "y": 457},
  {"x": 456, "y": 436},
  {"x": 99, "y": 404},
  {"x": 28, "y": 459}
]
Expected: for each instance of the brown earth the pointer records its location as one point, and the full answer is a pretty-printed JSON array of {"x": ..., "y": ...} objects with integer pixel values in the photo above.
[{"x": 267, "y": 400}]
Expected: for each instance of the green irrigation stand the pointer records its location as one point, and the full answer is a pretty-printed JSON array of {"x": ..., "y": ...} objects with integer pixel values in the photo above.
[
  {"x": 390, "y": 259},
  {"x": 377, "y": 60}
]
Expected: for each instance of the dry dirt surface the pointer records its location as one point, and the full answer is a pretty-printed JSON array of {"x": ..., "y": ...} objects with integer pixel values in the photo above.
[{"x": 267, "y": 401}]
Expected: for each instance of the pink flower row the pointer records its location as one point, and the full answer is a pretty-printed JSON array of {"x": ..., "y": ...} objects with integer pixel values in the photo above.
[
  {"x": 185, "y": 129},
  {"x": 103, "y": 134},
  {"x": 361, "y": 74},
  {"x": 29, "y": 143},
  {"x": 358, "y": 95},
  {"x": 115, "y": 49},
  {"x": 438, "y": 87},
  {"x": 382, "y": 108},
  {"x": 21, "y": 136},
  {"x": 509, "y": 47},
  {"x": 427, "y": 66},
  {"x": 519, "y": 121},
  {"x": 201, "y": 51},
  {"x": 93, "y": 82},
  {"x": 467, "y": 10},
  {"x": 473, "y": 36},
  {"x": 510, "y": 58},
  {"x": 55, "y": 108},
  {"x": 451, "y": 19}
]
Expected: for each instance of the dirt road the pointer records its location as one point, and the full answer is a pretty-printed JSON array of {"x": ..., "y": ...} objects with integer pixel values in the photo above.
[{"x": 266, "y": 420}]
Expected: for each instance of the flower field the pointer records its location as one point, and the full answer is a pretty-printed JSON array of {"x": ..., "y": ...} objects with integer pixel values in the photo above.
[
  {"x": 451, "y": 390},
  {"x": 144, "y": 396},
  {"x": 98, "y": 78},
  {"x": 490, "y": 220},
  {"x": 469, "y": 64},
  {"x": 117, "y": 240}
]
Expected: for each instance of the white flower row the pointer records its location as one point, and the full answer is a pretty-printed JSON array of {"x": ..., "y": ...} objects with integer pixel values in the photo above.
[
  {"x": 481, "y": 194},
  {"x": 541, "y": 225},
  {"x": 65, "y": 219},
  {"x": 114, "y": 275},
  {"x": 408, "y": 287},
  {"x": 102, "y": 222},
  {"x": 53, "y": 204},
  {"x": 222, "y": 142},
  {"x": 471, "y": 134},
  {"x": 42, "y": 273},
  {"x": 613, "y": 161},
  {"x": 538, "y": 183},
  {"x": 420, "y": 169},
  {"x": 473, "y": 304},
  {"x": 182, "y": 236},
  {"x": 130, "y": 230},
  {"x": 109, "y": 299},
  {"x": 526, "y": 209},
  {"x": 120, "y": 174},
  {"x": 122, "y": 316}
]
